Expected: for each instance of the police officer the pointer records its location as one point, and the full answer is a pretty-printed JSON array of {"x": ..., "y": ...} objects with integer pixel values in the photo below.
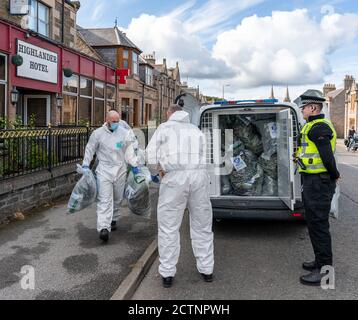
[{"x": 319, "y": 172}]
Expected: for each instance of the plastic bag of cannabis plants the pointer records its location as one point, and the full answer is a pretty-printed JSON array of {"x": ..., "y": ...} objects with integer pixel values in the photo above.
[
  {"x": 84, "y": 193},
  {"x": 247, "y": 176},
  {"x": 269, "y": 187},
  {"x": 137, "y": 192},
  {"x": 269, "y": 165},
  {"x": 247, "y": 132}
]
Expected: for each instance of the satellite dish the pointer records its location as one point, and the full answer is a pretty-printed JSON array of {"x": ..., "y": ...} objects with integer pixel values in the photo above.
[{"x": 191, "y": 105}]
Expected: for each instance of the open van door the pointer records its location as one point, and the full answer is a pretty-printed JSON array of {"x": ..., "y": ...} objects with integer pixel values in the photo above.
[
  {"x": 191, "y": 105},
  {"x": 286, "y": 174}
]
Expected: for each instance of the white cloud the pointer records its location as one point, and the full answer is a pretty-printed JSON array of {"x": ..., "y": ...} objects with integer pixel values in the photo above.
[
  {"x": 285, "y": 48},
  {"x": 178, "y": 36},
  {"x": 215, "y": 12},
  {"x": 168, "y": 37}
]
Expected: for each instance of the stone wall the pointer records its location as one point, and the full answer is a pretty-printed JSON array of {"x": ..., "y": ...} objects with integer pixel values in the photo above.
[
  {"x": 337, "y": 113},
  {"x": 55, "y": 19},
  {"x": 28, "y": 192}
]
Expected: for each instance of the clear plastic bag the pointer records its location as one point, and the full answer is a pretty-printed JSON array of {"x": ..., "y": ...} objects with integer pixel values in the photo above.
[
  {"x": 226, "y": 187},
  {"x": 247, "y": 132},
  {"x": 334, "y": 212},
  {"x": 137, "y": 192},
  {"x": 268, "y": 132},
  {"x": 269, "y": 187},
  {"x": 269, "y": 165},
  {"x": 84, "y": 193},
  {"x": 248, "y": 180}
]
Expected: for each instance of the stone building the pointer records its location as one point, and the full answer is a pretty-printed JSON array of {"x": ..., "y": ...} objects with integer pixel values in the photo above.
[
  {"x": 335, "y": 100},
  {"x": 167, "y": 82},
  {"x": 56, "y": 75},
  {"x": 45, "y": 17},
  {"x": 138, "y": 97},
  {"x": 351, "y": 103}
]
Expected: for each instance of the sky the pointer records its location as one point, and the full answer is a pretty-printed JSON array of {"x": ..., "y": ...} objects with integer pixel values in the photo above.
[{"x": 242, "y": 46}]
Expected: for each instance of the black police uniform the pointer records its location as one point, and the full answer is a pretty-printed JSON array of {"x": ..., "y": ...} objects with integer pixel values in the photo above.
[{"x": 318, "y": 191}]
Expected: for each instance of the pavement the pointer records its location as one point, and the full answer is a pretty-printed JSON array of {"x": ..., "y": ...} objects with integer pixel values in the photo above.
[
  {"x": 69, "y": 260},
  {"x": 257, "y": 260}
]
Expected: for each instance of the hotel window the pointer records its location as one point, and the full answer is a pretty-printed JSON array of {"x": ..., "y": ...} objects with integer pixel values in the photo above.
[
  {"x": 85, "y": 102},
  {"x": 135, "y": 63},
  {"x": 70, "y": 92},
  {"x": 99, "y": 104},
  {"x": 39, "y": 17},
  {"x": 3, "y": 84},
  {"x": 125, "y": 59},
  {"x": 111, "y": 98}
]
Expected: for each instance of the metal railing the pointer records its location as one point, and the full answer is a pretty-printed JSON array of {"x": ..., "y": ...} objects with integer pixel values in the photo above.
[
  {"x": 24, "y": 151},
  {"x": 28, "y": 150}
]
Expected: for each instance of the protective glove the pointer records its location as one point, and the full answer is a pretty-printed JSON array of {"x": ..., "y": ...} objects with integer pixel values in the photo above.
[
  {"x": 135, "y": 170},
  {"x": 155, "y": 179},
  {"x": 82, "y": 169},
  {"x": 137, "y": 178}
]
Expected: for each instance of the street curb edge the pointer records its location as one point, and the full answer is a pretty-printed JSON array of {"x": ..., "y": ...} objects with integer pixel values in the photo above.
[{"x": 130, "y": 284}]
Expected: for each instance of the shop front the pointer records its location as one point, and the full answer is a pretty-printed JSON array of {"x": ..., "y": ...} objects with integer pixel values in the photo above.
[{"x": 43, "y": 82}]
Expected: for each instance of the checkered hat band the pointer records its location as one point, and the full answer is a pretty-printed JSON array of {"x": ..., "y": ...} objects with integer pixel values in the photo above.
[{"x": 306, "y": 102}]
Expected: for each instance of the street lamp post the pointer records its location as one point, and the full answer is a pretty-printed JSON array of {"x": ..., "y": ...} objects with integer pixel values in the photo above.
[{"x": 225, "y": 85}]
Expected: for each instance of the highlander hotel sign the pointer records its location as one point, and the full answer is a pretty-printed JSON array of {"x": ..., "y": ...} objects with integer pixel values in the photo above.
[{"x": 39, "y": 64}]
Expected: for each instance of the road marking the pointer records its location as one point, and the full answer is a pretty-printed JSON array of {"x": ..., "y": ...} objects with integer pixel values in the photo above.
[{"x": 349, "y": 165}]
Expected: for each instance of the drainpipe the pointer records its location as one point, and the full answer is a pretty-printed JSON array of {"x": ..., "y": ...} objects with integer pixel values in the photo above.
[
  {"x": 143, "y": 103},
  {"x": 63, "y": 22}
]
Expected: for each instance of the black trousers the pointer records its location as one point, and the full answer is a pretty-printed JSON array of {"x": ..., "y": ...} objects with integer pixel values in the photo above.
[{"x": 318, "y": 191}]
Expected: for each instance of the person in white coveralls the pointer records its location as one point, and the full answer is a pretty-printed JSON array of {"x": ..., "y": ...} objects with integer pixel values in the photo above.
[
  {"x": 114, "y": 144},
  {"x": 177, "y": 151}
]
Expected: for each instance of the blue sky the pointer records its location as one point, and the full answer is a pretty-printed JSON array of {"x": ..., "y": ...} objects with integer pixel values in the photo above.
[{"x": 205, "y": 29}]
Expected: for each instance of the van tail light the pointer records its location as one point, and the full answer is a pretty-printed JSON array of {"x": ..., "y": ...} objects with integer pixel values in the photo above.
[{"x": 297, "y": 215}]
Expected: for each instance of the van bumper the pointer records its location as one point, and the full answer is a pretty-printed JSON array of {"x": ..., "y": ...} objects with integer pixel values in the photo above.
[{"x": 256, "y": 211}]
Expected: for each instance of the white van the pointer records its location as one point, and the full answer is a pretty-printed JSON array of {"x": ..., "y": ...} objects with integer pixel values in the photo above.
[
  {"x": 282, "y": 198},
  {"x": 262, "y": 182}
]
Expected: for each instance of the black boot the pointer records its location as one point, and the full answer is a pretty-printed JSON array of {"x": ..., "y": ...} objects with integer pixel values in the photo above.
[
  {"x": 309, "y": 266},
  {"x": 207, "y": 277},
  {"x": 104, "y": 235},
  {"x": 312, "y": 279},
  {"x": 167, "y": 282},
  {"x": 114, "y": 226}
]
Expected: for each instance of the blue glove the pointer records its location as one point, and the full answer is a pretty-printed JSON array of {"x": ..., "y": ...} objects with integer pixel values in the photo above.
[
  {"x": 155, "y": 179},
  {"x": 135, "y": 170},
  {"x": 85, "y": 169}
]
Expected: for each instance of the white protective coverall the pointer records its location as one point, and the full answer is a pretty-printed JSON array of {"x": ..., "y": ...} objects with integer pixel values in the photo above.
[
  {"x": 114, "y": 151},
  {"x": 178, "y": 148}
]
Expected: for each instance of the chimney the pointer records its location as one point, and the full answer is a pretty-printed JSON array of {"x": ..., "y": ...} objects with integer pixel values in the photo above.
[
  {"x": 150, "y": 58},
  {"x": 348, "y": 80},
  {"x": 327, "y": 88}
]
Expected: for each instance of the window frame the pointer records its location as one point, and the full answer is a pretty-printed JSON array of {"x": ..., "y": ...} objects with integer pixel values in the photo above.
[
  {"x": 125, "y": 59},
  {"x": 86, "y": 97},
  {"x": 4, "y": 82},
  {"x": 107, "y": 85},
  {"x": 135, "y": 64},
  {"x": 37, "y": 4},
  {"x": 71, "y": 94},
  {"x": 95, "y": 99},
  {"x": 149, "y": 76}
]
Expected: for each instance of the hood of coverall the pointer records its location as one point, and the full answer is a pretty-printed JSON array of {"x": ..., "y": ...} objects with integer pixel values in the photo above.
[{"x": 180, "y": 116}]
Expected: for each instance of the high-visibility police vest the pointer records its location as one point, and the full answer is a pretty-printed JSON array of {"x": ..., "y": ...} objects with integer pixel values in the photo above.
[{"x": 308, "y": 151}]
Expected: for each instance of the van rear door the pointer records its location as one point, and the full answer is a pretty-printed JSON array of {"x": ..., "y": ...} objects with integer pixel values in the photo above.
[{"x": 286, "y": 174}]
